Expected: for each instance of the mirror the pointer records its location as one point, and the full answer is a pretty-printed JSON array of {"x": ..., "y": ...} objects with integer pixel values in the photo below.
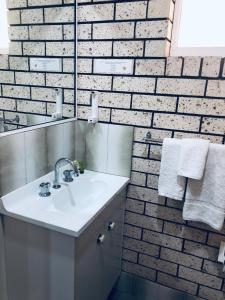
[
  {"x": 34, "y": 152},
  {"x": 38, "y": 70}
]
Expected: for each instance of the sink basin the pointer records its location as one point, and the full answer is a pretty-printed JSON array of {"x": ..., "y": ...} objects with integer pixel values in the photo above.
[
  {"x": 69, "y": 209},
  {"x": 74, "y": 197}
]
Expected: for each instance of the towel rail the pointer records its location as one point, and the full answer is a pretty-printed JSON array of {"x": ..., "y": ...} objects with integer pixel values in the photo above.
[
  {"x": 4, "y": 123},
  {"x": 149, "y": 139},
  {"x": 14, "y": 120}
]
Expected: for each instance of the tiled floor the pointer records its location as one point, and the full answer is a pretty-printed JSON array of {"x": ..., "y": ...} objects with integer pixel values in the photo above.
[
  {"x": 164, "y": 294},
  {"x": 122, "y": 296},
  {"x": 127, "y": 296},
  {"x": 130, "y": 287}
]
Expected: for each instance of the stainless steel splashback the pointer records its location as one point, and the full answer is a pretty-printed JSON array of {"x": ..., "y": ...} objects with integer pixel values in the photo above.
[{"x": 105, "y": 148}]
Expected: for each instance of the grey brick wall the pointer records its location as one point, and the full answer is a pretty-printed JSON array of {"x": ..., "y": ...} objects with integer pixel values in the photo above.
[{"x": 168, "y": 96}]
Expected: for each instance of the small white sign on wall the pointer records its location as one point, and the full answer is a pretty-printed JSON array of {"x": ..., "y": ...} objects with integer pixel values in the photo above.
[
  {"x": 46, "y": 64},
  {"x": 113, "y": 66}
]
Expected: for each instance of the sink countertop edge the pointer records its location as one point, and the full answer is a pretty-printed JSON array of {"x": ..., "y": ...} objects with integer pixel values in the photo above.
[{"x": 59, "y": 229}]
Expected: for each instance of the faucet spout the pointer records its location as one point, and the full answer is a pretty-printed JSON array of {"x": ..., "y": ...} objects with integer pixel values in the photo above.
[{"x": 56, "y": 184}]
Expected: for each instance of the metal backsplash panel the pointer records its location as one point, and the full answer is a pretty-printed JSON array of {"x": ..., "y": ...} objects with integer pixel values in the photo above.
[
  {"x": 12, "y": 163},
  {"x": 97, "y": 147},
  {"x": 35, "y": 150},
  {"x": 105, "y": 148},
  {"x": 120, "y": 140}
]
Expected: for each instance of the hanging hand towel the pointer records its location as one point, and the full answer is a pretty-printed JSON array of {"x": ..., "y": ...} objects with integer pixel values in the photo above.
[
  {"x": 170, "y": 184},
  {"x": 205, "y": 199},
  {"x": 193, "y": 158}
]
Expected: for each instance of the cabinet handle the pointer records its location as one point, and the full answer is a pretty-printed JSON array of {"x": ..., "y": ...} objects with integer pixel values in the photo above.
[
  {"x": 101, "y": 239},
  {"x": 111, "y": 225}
]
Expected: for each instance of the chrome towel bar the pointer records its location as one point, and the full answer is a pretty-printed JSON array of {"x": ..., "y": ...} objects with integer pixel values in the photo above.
[{"x": 149, "y": 139}]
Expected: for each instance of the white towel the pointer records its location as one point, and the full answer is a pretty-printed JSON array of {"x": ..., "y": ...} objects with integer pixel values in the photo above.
[
  {"x": 170, "y": 184},
  {"x": 205, "y": 199},
  {"x": 193, "y": 158}
]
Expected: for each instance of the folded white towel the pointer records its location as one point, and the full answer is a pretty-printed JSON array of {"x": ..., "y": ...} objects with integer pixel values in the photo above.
[
  {"x": 170, "y": 185},
  {"x": 205, "y": 199},
  {"x": 193, "y": 158}
]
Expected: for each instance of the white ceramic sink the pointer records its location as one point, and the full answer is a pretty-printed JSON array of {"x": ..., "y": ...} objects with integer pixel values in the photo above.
[{"x": 69, "y": 209}]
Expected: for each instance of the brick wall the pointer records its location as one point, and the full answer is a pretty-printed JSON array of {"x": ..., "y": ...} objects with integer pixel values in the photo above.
[
  {"x": 170, "y": 97},
  {"x": 38, "y": 28}
]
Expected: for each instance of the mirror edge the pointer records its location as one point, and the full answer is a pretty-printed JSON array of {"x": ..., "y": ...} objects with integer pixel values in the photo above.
[{"x": 31, "y": 128}]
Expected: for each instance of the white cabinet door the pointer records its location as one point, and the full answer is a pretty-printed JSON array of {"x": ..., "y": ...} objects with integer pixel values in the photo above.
[
  {"x": 113, "y": 245},
  {"x": 89, "y": 263},
  {"x": 98, "y": 264}
]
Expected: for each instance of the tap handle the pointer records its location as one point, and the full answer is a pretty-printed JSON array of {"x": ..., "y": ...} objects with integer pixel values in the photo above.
[
  {"x": 68, "y": 175},
  {"x": 44, "y": 189}
]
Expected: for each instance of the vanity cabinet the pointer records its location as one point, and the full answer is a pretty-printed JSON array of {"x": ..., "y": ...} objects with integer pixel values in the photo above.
[
  {"x": 99, "y": 252},
  {"x": 43, "y": 264}
]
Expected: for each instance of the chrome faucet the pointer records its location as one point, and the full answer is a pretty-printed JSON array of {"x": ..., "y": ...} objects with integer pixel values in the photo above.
[{"x": 56, "y": 184}]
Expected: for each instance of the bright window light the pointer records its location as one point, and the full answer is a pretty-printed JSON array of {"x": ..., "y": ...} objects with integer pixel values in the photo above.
[
  {"x": 4, "y": 37},
  {"x": 199, "y": 28}
]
